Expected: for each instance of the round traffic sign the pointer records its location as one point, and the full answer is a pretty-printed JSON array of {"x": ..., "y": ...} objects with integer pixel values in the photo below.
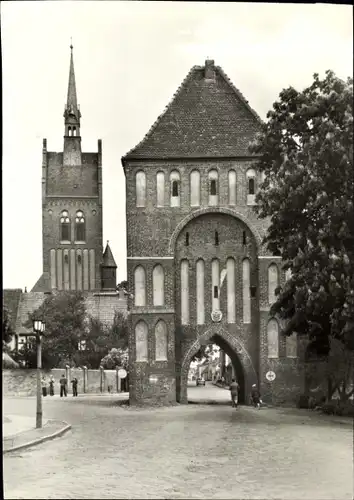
[
  {"x": 122, "y": 373},
  {"x": 270, "y": 376}
]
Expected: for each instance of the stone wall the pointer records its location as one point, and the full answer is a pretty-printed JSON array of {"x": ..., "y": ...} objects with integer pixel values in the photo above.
[{"x": 23, "y": 382}]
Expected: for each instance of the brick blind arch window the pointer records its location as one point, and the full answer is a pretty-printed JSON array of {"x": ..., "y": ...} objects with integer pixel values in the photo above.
[
  {"x": 246, "y": 290},
  {"x": 139, "y": 286},
  {"x": 232, "y": 187},
  {"x": 160, "y": 189},
  {"x": 158, "y": 283},
  {"x": 65, "y": 226},
  {"x": 273, "y": 282},
  {"x": 161, "y": 341},
  {"x": 141, "y": 341},
  {"x": 251, "y": 186},
  {"x": 140, "y": 180},
  {"x": 195, "y": 188},
  {"x": 175, "y": 189},
  {"x": 291, "y": 346},
  {"x": 213, "y": 177},
  {"x": 184, "y": 292},
  {"x": 200, "y": 292},
  {"x": 215, "y": 281},
  {"x": 231, "y": 290},
  {"x": 80, "y": 226},
  {"x": 273, "y": 338}
]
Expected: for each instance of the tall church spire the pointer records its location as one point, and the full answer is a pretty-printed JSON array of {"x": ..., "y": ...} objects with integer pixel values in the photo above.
[
  {"x": 71, "y": 102},
  {"x": 72, "y": 115}
]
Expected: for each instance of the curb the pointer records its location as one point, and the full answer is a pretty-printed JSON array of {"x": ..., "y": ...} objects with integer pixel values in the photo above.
[{"x": 55, "y": 434}]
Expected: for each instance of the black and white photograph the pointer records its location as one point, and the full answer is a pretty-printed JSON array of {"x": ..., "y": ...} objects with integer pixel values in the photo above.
[{"x": 178, "y": 250}]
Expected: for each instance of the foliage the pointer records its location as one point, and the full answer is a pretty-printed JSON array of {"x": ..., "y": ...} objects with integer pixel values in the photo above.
[
  {"x": 65, "y": 316},
  {"x": 123, "y": 285},
  {"x": 206, "y": 351},
  {"x": 116, "y": 357},
  {"x": 7, "y": 331},
  {"x": 306, "y": 156}
]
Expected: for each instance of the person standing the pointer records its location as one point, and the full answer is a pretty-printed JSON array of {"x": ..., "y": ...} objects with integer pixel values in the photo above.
[
  {"x": 255, "y": 396},
  {"x": 51, "y": 385},
  {"x": 234, "y": 388},
  {"x": 74, "y": 383},
  {"x": 44, "y": 386},
  {"x": 63, "y": 386}
]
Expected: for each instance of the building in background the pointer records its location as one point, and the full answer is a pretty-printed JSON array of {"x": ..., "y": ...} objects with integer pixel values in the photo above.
[
  {"x": 195, "y": 256},
  {"x": 72, "y": 205}
]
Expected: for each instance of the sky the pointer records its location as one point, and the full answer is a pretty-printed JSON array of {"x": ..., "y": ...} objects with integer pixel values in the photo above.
[{"x": 130, "y": 58}]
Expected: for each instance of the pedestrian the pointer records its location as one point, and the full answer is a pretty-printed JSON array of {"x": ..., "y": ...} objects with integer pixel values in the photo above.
[
  {"x": 44, "y": 386},
  {"x": 63, "y": 386},
  {"x": 255, "y": 396},
  {"x": 51, "y": 385},
  {"x": 222, "y": 380},
  {"x": 234, "y": 388},
  {"x": 74, "y": 383}
]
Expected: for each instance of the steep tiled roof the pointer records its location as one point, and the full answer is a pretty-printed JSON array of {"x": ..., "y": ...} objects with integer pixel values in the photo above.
[
  {"x": 207, "y": 117},
  {"x": 11, "y": 300},
  {"x": 28, "y": 304},
  {"x": 42, "y": 285}
]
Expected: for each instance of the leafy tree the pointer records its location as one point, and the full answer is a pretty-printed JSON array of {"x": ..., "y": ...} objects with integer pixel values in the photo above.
[
  {"x": 65, "y": 316},
  {"x": 116, "y": 357},
  {"x": 7, "y": 331},
  {"x": 306, "y": 157},
  {"x": 206, "y": 351}
]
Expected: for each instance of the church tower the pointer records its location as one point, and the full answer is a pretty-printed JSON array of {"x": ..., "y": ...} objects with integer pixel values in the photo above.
[{"x": 71, "y": 208}]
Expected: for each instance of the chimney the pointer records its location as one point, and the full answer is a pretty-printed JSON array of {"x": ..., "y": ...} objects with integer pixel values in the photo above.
[{"x": 209, "y": 69}]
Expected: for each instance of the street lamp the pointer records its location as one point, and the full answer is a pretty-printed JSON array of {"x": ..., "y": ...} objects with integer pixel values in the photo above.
[{"x": 39, "y": 328}]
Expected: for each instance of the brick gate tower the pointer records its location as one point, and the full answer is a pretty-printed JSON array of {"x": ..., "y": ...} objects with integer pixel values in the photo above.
[{"x": 196, "y": 264}]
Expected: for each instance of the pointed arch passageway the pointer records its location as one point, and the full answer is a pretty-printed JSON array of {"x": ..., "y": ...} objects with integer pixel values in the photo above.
[{"x": 233, "y": 347}]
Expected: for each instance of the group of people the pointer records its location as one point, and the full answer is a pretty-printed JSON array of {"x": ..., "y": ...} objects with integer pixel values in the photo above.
[
  {"x": 63, "y": 384},
  {"x": 255, "y": 394}
]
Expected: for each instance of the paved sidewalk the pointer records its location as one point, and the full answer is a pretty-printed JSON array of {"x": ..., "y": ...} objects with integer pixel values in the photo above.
[{"x": 15, "y": 424}]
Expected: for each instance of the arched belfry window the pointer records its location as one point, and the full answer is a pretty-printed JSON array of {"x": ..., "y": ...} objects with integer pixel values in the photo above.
[
  {"x": 65, "y": 226},
  {"x": 69, "y": 131},
  {"x": 232, "y": 187},
  {"x": 175, "y": 189},
  {"x": 140, "y": 180},
  {"x": 251, "y": 186},
  {"x": 160, "y": 189},
  {"x": 213, "y": 187},
  {"x": 80, "y": 226}
]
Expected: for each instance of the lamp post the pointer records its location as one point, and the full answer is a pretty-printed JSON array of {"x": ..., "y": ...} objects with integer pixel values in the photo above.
[{"x": 39, "y": 328}]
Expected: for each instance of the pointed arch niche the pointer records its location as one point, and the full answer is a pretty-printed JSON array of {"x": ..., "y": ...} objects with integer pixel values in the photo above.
[
  {"x": 161, "y": 341},
  {"x": 139, "y": 286},
  {"x": 158, "y": 283},
  {"x": 141, "y": 341}
]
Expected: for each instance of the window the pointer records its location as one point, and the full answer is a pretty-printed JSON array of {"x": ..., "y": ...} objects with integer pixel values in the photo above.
[
  {"x": 251, "y": 186},
  {"x": 141, "y": 341},
  {"x": 246, "y": 278},
  {"x": 175, "y": 191},
  {"x": 216, "y": 236},
  {"x": 64, "y": 226},
  {"x": 66, "y": 259},
  {"x": 161, "y": 343},
  {"x": 195, "y": 188},
  {"x": 200, "y": 292},
  {"x": 187, "y": 239},
  {"x": 158, "y": 285},
  {"x": 273, "y": 339},
  {"x": 79, "y": 259},
  {"x": 216, "y": 292},
  {"x": 244, "y": 238},
  {"x": 174, "y": 188},
  {"x": 184, "y": 292},
  {"x": 232, "y": 187},
  {"x": 79, "y": 226},
  {"x": 213, "y": 187},
  {"x": 231, "y": 304},
  {"x": 140, "y": 189},
  {"x": 215, "y": 281},
  {"x": 160, "y": 187},
  {"x": 139, "y": 286},
  {"x": 253, "y": 292}
]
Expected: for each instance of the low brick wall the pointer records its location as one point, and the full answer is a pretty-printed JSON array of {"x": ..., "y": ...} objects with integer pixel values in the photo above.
[{"x": 23, "y": 382}]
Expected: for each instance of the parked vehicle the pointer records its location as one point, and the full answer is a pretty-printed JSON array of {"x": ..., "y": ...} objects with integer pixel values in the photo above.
[{"x": 200, "y": 381}]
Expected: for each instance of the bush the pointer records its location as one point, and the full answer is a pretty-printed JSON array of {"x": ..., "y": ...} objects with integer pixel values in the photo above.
[
  {"x": 335, "y": 407},
  {"x": 303, "y": 401}
]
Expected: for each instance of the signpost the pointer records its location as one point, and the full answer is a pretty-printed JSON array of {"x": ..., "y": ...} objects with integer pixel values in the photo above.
[{"x": 122, "y": 373}]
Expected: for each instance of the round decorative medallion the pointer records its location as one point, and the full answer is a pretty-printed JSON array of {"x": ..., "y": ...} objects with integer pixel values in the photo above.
[
  {"x": 270, "y": 376},
  {"x": 216, "y": 316},
  {"x": 50, "y": 212},
  {"x": 94, "y": 212}
]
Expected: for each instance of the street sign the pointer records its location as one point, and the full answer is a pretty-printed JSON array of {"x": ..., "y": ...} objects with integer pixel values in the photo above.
[
  {"x": 270, "y": 376},
  {"x": 122, "y": 373},
  {"x": 216, "y": 316}
]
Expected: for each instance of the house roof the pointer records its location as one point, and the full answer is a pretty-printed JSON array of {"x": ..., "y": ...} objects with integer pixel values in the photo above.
[
  {"x": 207, "y": 117},
  {"x": 28, "y": 304},
  {"x": 11, "y": 300}
]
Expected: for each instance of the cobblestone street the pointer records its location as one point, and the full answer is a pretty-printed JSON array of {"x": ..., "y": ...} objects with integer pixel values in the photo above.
[{"x": 195, "y": 451}]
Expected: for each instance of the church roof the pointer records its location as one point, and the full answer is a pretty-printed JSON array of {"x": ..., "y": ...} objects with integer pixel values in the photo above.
[
  {"x": 28, "y": 304},
  {"x": 108, "y": 259},
  {"x": 207, "y": 117}
]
